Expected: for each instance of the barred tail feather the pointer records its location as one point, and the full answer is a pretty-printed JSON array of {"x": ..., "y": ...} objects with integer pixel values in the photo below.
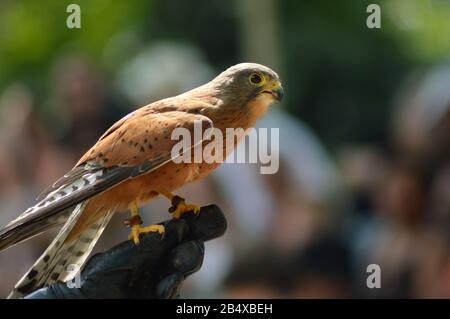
[
  {"x": 31, "y": 230},
  {"x": 53, "y": 264},
  {"x": 42, "y": 216}
]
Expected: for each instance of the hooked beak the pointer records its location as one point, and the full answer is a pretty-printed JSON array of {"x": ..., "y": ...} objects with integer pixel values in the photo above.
[{"x": 275, "y": 89}]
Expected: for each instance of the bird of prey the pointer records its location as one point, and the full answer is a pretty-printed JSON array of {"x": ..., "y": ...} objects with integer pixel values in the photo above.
[{"x": 131, "y": 164}]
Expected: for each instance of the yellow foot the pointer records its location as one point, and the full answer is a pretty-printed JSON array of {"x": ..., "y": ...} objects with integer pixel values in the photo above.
[
  {"x": 179, "y": 207},
  {"x": 135, "y": 223},
  {"x": 137, "y": 230}
]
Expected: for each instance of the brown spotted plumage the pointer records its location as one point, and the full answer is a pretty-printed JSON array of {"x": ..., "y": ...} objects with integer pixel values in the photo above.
[{"x": 131, "y": 164}]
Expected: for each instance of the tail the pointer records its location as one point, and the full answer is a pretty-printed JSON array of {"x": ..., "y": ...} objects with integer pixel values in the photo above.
[
  {"x": 10, "y": 237},
  {"x": 53, "y": 264}
]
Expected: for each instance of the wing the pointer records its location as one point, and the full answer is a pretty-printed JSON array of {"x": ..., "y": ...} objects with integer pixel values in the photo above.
[
  {"x": 136, "y": 145},
  {"x": 142, "y": 136}
]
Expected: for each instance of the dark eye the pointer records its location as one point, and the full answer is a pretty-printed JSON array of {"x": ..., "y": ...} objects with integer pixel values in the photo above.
[{"x": 255, "y": 78}]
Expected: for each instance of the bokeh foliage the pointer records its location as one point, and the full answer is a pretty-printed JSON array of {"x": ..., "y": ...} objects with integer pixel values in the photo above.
[{"x": 340, "y": 76}]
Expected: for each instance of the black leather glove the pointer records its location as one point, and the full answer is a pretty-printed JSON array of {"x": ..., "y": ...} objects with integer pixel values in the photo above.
[{"x": 155, "y": 268}]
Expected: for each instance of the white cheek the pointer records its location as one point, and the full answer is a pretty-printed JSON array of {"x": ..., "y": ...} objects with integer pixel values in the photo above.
[{"x": 265, "y": 99}]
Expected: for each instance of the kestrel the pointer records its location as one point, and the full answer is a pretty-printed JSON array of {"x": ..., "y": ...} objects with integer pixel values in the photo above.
[{"x": 131, "y": 164}]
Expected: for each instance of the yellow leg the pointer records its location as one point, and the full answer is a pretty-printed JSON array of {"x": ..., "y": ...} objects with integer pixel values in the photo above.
[
  {"x": 179, "y": 206},
  {"x": 136, "y": 228}
]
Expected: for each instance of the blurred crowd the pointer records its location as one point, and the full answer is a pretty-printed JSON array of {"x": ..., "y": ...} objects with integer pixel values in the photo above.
[{"x": 311, "y": 230}]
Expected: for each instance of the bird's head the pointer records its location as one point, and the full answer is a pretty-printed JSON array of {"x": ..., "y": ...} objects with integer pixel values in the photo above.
[{"x": 247, "y": 82}]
